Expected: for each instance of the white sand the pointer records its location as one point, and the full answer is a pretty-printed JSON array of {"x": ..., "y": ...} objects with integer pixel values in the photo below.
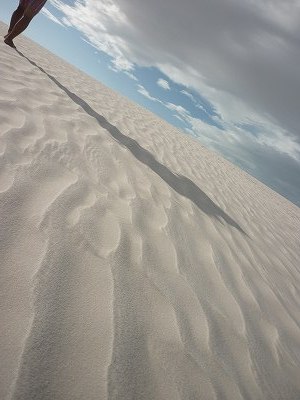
[{"x": 135, "y": 264}]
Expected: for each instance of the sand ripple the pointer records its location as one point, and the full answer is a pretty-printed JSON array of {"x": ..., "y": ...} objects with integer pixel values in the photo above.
[{"x": 135, "y": 264}]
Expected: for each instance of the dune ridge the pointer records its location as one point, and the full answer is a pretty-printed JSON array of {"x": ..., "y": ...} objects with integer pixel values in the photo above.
[{"x": 135, "y": 263}]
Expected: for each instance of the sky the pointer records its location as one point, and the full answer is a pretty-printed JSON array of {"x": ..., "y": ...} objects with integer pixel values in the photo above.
[{"x": 223, "y": 71}]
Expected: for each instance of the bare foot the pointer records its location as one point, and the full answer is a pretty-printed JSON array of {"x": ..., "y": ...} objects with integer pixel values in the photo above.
[{"x": 9, "y": 42}]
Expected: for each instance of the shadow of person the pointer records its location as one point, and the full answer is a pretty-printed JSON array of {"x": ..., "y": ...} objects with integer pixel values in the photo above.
[{"x": 181, "y": 184}]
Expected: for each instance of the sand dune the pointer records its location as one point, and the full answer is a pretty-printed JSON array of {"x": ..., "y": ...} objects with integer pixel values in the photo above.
[{"x": 135, "y": 264}]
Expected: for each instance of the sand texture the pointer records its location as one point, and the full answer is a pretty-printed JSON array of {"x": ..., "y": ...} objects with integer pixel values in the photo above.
[{"x": 135, "y": 264}]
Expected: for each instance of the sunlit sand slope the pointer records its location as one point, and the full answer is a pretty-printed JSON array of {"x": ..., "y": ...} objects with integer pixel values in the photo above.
[{"x": 135, "y": 264}]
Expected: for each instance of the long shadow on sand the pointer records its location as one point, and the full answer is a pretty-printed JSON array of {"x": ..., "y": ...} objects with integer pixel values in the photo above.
[{"x": 183, "y": 185}]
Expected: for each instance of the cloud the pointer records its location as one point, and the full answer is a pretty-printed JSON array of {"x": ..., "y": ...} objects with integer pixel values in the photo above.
[
  {"x": 163, "y": 84},
  {"x": 255, "y": 153},
  {"x": 131, "y": 76},
  {"x": 52, "y": 17},
  {"x": 189, "y": 95},
  {"x": 242, "y": 57},
  {"x": 249, "y": 50},
  {"x": 146, "y": 94},
  {"x": 178, "y": 110}
]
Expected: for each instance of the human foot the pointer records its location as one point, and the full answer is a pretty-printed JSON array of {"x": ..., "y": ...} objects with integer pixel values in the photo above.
[{"x": 9, "y": 42}]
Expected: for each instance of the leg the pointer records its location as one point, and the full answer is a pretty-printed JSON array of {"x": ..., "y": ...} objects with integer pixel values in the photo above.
[
  {"x": 20, "y": 26},
  {"x": 18, "y": 13}
]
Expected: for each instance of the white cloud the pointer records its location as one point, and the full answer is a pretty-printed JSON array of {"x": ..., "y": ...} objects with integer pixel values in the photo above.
[
  {"x": 197, "y": 105},
  {"x": 114, "y": 68},
  {"x": 242, "y": 57},
  {"x": 122, "y": 64},
  {"x": 179, "y": 118},
  {"x": 163, "y": 84},
  {"x": 131, "y": 76},
  {"x": 52, "y": 17},
  {"x": 99, "y": 23},
  {"x": 229, "y": 132},
  {"x": 181, "y": 111},
  {"x": 189, "y": 95},
  {"x": 248, "y": 51},
  {"x": 146, "y": 94}
]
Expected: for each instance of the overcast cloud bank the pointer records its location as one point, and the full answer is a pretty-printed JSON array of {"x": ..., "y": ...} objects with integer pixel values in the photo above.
[{"x": 243, "y": 57}]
